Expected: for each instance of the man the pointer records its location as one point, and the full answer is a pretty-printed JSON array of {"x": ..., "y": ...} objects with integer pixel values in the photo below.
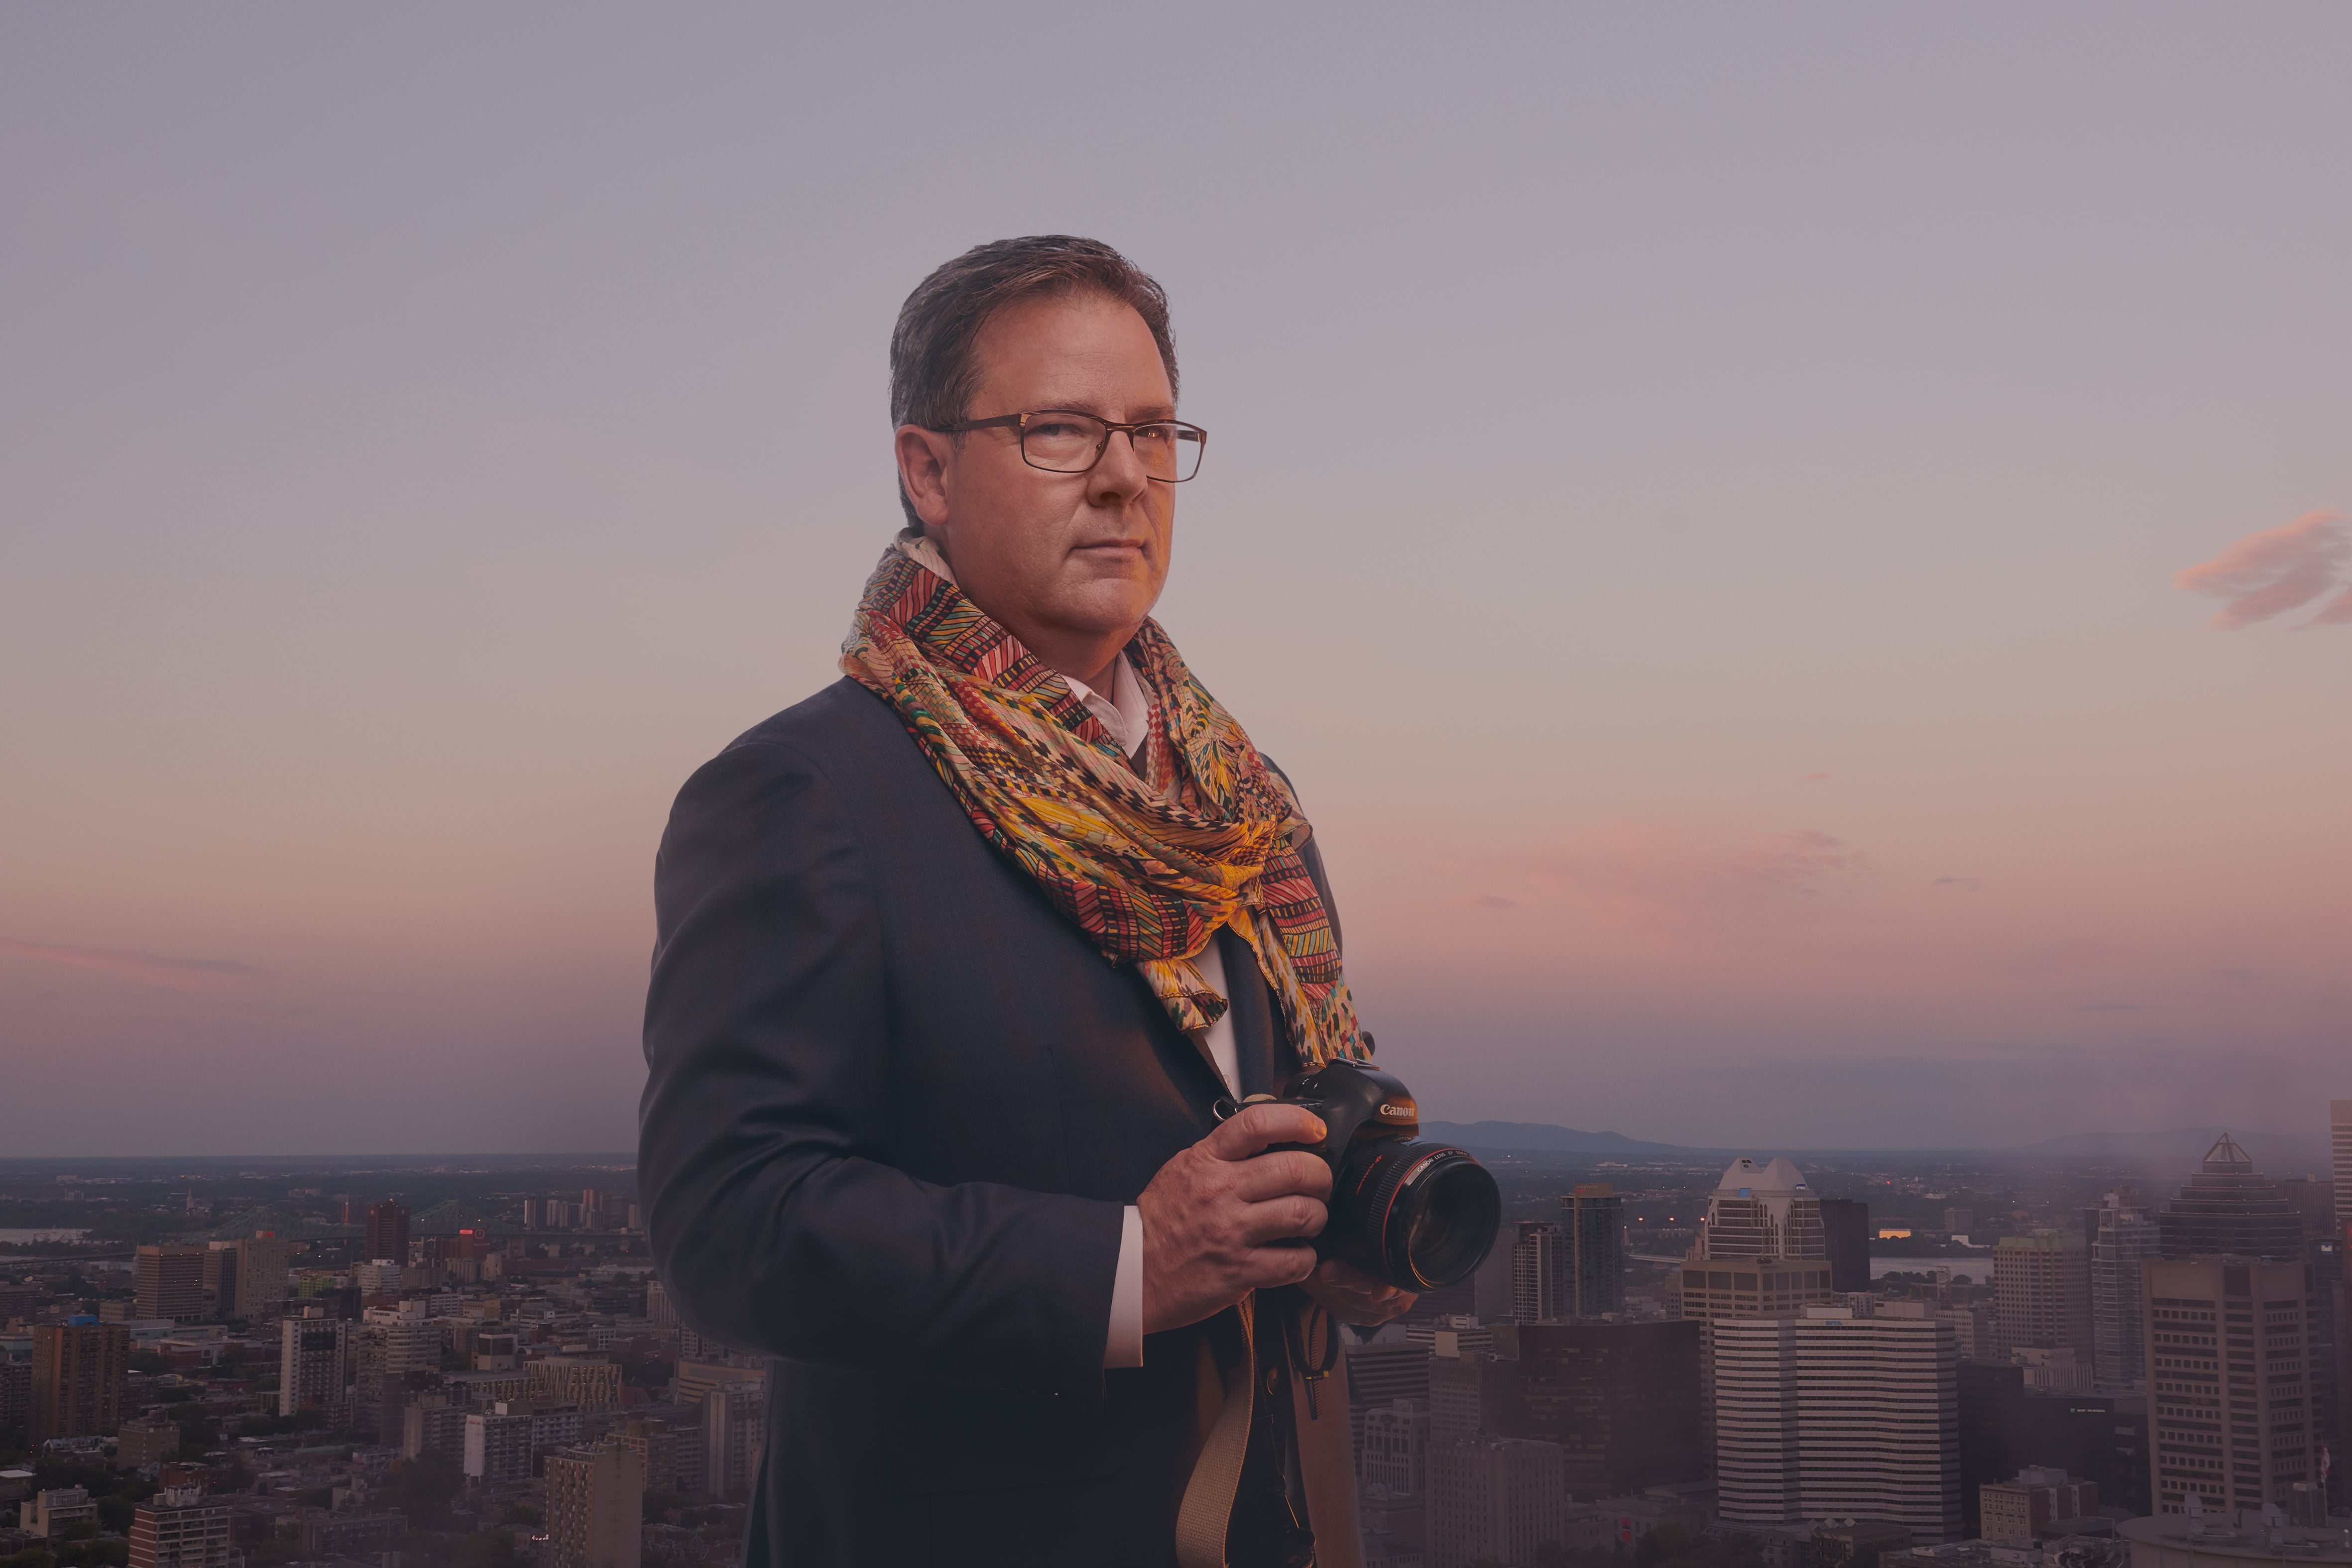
[{"x": 959, "y": 963}]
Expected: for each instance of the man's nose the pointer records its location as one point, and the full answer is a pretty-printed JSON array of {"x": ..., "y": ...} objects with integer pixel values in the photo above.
[{"x": 1120, "y": 475}]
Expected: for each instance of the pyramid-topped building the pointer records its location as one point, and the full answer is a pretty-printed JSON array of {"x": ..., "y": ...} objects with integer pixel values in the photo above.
[{"x": 2229, "y": 1207}]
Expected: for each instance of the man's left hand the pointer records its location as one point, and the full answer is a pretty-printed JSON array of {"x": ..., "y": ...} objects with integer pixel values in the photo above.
[{"x": 1352, "y": 1296}]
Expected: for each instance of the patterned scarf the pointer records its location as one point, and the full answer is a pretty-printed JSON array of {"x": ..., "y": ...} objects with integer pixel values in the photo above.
[{"x": 1148, "y": 859}]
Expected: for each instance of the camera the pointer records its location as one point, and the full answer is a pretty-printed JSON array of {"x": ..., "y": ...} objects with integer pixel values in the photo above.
[{"x": 1417, "y": 1215}]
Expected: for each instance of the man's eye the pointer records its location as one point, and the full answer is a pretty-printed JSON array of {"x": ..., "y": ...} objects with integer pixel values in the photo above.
[
  {"x": 1160, "y": 433},
  {"x": 1057, "y": 428}
]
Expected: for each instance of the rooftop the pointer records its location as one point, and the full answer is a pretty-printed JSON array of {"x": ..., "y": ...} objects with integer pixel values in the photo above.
[{"x": 2242, "y": 1534}]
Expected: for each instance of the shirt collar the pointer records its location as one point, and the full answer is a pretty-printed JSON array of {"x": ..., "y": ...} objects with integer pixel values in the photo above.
[{"x": 1126, "y": 713}]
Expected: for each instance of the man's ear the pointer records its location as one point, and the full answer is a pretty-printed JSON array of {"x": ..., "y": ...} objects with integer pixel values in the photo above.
[{"x": 922, "y": 471}]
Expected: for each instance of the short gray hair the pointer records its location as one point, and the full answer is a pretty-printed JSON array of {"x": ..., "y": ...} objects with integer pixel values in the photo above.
[{"x": 932, "y": 372}]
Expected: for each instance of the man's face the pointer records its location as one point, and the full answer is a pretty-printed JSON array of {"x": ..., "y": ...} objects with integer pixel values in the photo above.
[{"x": 1070, "y": 563}]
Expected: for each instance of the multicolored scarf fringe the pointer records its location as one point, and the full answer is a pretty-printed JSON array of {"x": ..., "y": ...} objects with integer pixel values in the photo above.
[{"x": 1150, "y": 858}]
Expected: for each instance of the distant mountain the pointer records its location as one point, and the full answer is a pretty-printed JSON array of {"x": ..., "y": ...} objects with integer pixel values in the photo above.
[{"x": 1542, "y": 1137}]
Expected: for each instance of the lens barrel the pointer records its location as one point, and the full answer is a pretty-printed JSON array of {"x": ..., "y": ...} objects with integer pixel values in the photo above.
[{"x": 1418, "y": 1216}]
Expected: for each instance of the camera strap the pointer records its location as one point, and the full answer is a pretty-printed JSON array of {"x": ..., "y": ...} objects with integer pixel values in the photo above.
[{"x": 1208, "y": 1504}]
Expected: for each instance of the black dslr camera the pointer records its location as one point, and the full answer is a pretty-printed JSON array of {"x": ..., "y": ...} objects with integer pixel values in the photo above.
[{"x": 1415, "y": 1216}]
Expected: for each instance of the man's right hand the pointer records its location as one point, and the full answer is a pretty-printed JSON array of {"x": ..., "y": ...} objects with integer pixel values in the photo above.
[{"x": 1213, "y": 1215}]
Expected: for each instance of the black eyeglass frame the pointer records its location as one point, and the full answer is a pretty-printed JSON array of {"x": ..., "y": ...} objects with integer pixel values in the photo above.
[{"x": 1019, "y": 423}]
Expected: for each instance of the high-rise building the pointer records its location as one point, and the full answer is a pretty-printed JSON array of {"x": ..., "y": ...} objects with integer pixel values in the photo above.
[
  {"x": 1830, "y": 1413},
  {"x": 180, "y": 1528},
  {"x": 1462, "y": 1395},
  {"x": 2232, "y": 1407},
  {"x": 595, "y": 1499},
  {"x": 1381, "y": 1373},
  {"x": 262, "y": 1263},
  {"x": 498, "y": 1445},
  {"x": 81, "y": 1377},
  {"x": 168, "y": 1282},
  {"x": 1594, "y": 1216},
  {"x": 1494, "y": 1498},
  {"x": 1490, "y": 1287},
  {"x": 1763, "y": 1211},
  {"x": 1762, "y": 1245},
  {"x": 1539, "y": 1274},
  {"x": 2042, "y": 1284},
  {"x": 2006, "y": 1427},
  {"x": 2230, "y": 1208},
  {"x": 2122, "y": 1237},
  {"x": 734, "y": 1423},
  {"x": 1393, "y": 1451},
  {"x": 386, "y": 1240},
  {"x": 2339, "y": 1136},
  {"x": 1845, "y": 1231},
  {"x": 1959, "y": 1221},
  {"x": 314, "y": 1365},
  {"x": 1619, "y": 1399}
]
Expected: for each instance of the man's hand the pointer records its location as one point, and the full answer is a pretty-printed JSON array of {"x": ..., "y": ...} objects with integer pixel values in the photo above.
[
  {"x": 1211, "y": 1213},
  {"x": 1352, "y": 1296}
]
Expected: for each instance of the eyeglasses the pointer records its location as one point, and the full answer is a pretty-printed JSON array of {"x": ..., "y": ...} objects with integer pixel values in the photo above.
[{"x": 1064, "y": 441}]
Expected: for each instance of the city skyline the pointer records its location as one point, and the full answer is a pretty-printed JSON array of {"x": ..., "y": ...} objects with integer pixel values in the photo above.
[{"x": 1922, "y": 435}]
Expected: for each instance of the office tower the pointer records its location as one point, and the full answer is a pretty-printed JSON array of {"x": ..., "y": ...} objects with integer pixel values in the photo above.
[
  {"x": 2121, "y": 1235},
  {"x": 2042, "y": 1283},
  {"x": 2339, "y": 1137},
  {"x": 81, "y": 1376},
  {"x": 1959, "y": 1221},
  {"x": 1763, "y": 1211},
  {"x": 314, "y": 1365},
  {"x": 2013, "y": 1511},
  {"x": 2230, "y": 1208},
  {"x": 1462, "y": 1390},
  {"x": 1538, "y": 1271},
  {"x": 1381, "y": 1373},
  {"x": 1834, "y": 1414},
  {"x": 1594, "y": 1218},
  {"x": 734, "y": 1422},
  {"x": 386, "y": 1240},
  {"x": 168, "y": 1282},
  {"x": 1490, "y": 1287},
  {"x": 1619, "y": 1400},
  {"x": 1393, "y": 1451},
  {"x": 217, "y": 1269},
  {"x": 595, "y": 1496},
  {"x": 1494, "y": 1498},
  {"x": 1389, "y": 1369},
  {"x": 178, "y": 1528},
  {"x": 1763, "y": 1244},
  {"x": 2006, "y": 1427},
  {"x": 531, "y": 1215},
  {"x": 2232, "y": 1404},
  {"x": 262, "y": 1263},
  {"x": 1845, "y": 1232}
]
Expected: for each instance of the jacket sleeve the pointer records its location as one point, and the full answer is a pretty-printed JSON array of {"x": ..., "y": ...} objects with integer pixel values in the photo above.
[{"x": 772, "y": 1209}]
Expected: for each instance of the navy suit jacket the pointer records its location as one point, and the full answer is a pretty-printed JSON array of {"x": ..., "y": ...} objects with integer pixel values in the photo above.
[{"x": 897, "y": 1104}]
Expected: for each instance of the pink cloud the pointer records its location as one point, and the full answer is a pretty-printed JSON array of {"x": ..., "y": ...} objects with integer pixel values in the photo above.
[
  {"x": 214, "y": 976},
  {"x": 2269, "y": 573}
]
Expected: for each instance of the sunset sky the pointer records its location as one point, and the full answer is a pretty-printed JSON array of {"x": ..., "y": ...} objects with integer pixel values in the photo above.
[{"x": 1799, "y": 556}]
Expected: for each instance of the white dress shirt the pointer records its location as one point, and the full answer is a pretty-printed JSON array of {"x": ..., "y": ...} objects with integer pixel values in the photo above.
[{"x": 1127, "y": 716}]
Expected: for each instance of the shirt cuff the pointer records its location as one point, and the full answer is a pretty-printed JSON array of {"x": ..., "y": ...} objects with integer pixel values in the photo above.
[{"x": 1124, "y": 1345}]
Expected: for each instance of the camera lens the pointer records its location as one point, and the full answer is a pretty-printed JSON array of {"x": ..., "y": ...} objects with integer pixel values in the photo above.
[{"x": 1418, "y": 1216}]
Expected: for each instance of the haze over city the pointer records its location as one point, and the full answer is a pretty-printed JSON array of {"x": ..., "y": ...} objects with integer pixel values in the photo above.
[{"x": 1803, "y": 573}]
